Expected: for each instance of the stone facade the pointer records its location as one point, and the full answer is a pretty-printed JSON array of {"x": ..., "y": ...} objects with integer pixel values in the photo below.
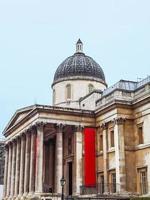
[
  {"x": 45, "y": 143},
  {"x": 2, "y": 162}
]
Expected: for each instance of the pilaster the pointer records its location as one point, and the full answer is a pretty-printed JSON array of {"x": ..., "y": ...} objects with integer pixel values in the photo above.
[
  {"x": 120, "y": 154},
  {"x": 104, "y": 127},
  {"x": 78, "y": 159}
]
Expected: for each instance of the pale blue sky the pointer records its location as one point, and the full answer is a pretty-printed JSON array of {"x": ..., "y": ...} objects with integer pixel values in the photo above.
[{"x": 37, "y": 35}]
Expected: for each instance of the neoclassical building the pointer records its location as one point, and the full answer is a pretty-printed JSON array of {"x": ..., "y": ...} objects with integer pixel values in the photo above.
[{"x": 96, "y": 137}]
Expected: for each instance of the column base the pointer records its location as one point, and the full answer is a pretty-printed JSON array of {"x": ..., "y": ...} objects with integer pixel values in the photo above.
[{"x": 18, "y": 197}]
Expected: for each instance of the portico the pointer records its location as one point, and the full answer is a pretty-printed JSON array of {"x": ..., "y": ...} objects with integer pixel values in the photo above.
[{"x": 38, "y": 156}]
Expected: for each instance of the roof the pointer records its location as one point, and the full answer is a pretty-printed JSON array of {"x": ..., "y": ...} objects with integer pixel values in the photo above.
[{"x": 79, "y": 66}]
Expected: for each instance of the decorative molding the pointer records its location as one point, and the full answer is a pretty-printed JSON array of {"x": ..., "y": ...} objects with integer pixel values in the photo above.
[
  {"x": 119, "y": 120},
  {"x": 39, "y": 124},
  {"x": 104, "y": 125},
  {"x": 78, "y": 128},
  {"x": 59, "y": 128}
]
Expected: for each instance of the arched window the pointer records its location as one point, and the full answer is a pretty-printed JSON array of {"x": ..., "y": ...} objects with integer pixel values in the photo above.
[
  {"x": 91, "y": 88},
  {"x": 68, "y": 91},
  {"x": 54, "y": 96}
]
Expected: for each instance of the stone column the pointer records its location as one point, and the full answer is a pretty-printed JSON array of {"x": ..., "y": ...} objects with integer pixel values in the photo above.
[
  {"x": 51, "y": 164},
  {"x": 105, "y": 157},
  {"x": 120, "y": 155},
  {"x": 59, "y": 159},
  {"x": 32, "y": 162},
  {"x": 39, "y": 159},
  {"x": 13, "y": 167},
  {"x": 27, "y": 163},
  {"x": 22, "y": 165},
  {"x": 78, "y": 159},
  {"x": 18, "y": 150},
  {"x": 6, "y": 171},
  {"x": 9, "y": 170}
]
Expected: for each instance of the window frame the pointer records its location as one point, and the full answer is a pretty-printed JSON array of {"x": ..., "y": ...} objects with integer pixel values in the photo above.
[
  {"x": 68, "y": 91},
  {"x": 143, "y": 185},
  {"x": 112, "y": 183},
  {"x": 140, "y": 134},
  {"x": 101, "y": 142},
  {"x": 112, "y": 138},
  {"x": 54, "y": 96}
]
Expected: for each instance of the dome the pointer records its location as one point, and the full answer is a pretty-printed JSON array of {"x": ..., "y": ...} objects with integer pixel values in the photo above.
[{"x": 79, "y": 66}]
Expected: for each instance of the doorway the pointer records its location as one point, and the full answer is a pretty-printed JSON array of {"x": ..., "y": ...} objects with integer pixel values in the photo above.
[{"x": 70, "y": 178}]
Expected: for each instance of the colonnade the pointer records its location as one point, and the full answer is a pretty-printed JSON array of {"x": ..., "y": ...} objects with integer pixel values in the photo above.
[
  {"x": 24, "y": 162},
  {"x": 20, "y": 164}
]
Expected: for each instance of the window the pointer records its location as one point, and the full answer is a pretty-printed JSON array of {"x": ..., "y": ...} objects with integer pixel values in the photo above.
[
  {"x": 101, "y": 143},
  {"x": 91, "y": 88},
  {"x": 68, "y": 91},
  {"x": 112, "y": 144},
  {"x": 54, "y": 96},
  {"x": 140, "y": 134},
  {"x": 102, "y": 184},
  {"x": 143, "y": 180},
  {"x": 113, "y": 182}
]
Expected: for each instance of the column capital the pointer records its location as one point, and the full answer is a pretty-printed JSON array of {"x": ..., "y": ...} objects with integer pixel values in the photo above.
[
  {"x": 14, "y": 140},
  {"x": 119, "y": 120},
  {"x": 39, "y": 124},
  {"x": 23, "y": 134},
  {"x": 59, "y": 128},
  {"x": 104, "y": 126},
  {"x": 9, "y": 143},
  {"x": 78, "y": 128},
  {"x": 6, "y": 146}
]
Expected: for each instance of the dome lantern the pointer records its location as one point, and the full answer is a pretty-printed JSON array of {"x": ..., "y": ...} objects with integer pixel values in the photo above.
[{"x": 79, "y": 46}]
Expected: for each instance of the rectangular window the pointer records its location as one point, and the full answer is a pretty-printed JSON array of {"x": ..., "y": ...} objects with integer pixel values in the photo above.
[
  {"x": 143, "y": 180},
  {"x": 140, "y": 135},
  {"x": 101, "y": 142},
  {"x": 112, "y": 144},
  {"x": 102, "y": 184},
  {"x": 68, "y": 91},
  {"x": 112, "y": 182}
]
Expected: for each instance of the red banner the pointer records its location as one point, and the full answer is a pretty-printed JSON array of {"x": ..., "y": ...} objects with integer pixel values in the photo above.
[{"x": 89, "y": 157}]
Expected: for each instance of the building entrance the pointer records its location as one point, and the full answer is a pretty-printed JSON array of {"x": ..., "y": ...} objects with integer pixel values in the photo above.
[{"x": 70, "y": 178}]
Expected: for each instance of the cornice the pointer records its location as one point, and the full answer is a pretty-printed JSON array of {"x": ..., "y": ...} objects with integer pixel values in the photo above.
[
  {"x": 112, "y": 105},
  {"x": 20, "y": 122}
]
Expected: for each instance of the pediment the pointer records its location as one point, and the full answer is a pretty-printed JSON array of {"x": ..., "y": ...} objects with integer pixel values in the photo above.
[{"x": 18, "y": 116}]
